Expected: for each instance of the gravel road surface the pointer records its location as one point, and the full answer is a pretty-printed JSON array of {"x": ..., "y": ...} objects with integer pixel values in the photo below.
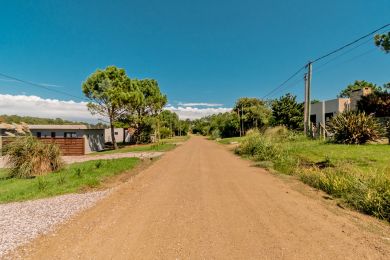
[
  {"x": 200, "y": 201},
  {"x": 21, "y": 222}
]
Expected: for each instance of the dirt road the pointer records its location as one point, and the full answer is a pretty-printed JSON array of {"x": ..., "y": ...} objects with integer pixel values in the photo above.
[{"x": 202, "y": 202}]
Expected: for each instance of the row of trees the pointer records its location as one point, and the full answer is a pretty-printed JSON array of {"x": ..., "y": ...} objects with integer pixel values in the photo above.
[
  {"x": 251, "y": 113},
  {"x": 129, "y": 103}
]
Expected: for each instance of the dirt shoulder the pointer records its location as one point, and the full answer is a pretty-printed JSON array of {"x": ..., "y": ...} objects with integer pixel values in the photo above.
[{"x": 200, "y": 201}]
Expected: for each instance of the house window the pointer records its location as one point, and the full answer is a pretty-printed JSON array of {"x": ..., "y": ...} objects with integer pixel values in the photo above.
[
  {"x": 53, "y": 134},
  {"x": 39, "y": 134},
  {"x": 116, "y": 133},
  {"x": 70, "y": 135},
  {"x": 328, "y": 116},
  {"x": 313, "y": 119}
]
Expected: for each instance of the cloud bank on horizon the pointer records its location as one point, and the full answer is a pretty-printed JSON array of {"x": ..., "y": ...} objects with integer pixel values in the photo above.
[{"x": 24, "y": 105}]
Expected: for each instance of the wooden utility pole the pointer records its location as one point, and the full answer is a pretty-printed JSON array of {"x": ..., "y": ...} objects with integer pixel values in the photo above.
[
  {"x": 308, "y": 101},
  {"x": 305, "y": 107},
  {"x": 242, "y": 121},
  {"x": 239, "y": 120}
]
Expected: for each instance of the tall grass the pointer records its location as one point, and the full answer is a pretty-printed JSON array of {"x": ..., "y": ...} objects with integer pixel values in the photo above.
[
  {"x": 367, "y": 189},
  {"x": 28, "y": 157}
]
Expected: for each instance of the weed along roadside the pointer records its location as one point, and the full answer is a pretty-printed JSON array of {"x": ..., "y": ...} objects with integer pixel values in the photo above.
[
  {"x": 73, "y": 178},
  {"x": 358, "y": 175},
  {"x": 90, "y": 172}
]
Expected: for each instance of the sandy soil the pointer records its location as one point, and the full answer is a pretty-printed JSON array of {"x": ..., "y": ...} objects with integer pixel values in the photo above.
[{"x": 200, "y": 201}]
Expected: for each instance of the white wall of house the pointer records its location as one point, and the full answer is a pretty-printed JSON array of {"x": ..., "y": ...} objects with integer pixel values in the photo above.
[
  {"x": 321, "y": 111},
  {"x": 121, "y": 135},
  {"x": 94, "y": 140}
]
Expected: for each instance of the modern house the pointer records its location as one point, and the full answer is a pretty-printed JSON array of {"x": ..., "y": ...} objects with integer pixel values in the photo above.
[
  {"x": 122, "y": 135},
  {"x": 72, "y": 139},
  {"x": 322, "y": 111}
]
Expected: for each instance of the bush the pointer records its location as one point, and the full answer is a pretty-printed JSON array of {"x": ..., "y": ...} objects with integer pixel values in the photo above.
[
  {"x": 28, "y": 157},
  {"x": 165, "y": 132},
  {"x": 259, "y": 147},
  {"x": 215, "y": 134},
  {"x": 355, "y": 128}
]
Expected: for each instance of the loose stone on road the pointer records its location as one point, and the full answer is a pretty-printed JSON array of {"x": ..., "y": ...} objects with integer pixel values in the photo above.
[{"x": 200, "y": 201}]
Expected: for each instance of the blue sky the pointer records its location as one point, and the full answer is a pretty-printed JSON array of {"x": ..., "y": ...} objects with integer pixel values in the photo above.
[{"x": 199, "y": 51}]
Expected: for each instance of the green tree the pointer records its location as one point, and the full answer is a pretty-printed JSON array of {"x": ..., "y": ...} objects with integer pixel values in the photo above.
[
  {"x": 254, "y": 112},
  {"x": 288, "y": 112},
  {"x": 111, "y": 95},
  {"x": 145, "y": 116},
  {"x": 358, "y": 84},
  {"x": 383, "y": 41},
  {"x": 377, "y": 103}
]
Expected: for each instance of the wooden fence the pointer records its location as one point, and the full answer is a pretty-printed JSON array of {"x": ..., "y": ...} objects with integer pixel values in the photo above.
[{"x": 68, "y": 146}]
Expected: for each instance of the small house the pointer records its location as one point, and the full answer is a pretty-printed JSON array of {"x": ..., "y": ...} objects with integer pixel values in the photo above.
[{"x": 72, "y": 139}]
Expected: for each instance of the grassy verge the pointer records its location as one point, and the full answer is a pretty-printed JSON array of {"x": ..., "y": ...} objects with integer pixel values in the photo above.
[
  {"x": 358, "y": 175},
  {"x": 73, "y": 178},
  {"x": 158, "y": 147}
]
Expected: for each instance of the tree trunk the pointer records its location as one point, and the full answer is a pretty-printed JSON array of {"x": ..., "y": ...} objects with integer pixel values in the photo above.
[{"x": 113, "y": 135}]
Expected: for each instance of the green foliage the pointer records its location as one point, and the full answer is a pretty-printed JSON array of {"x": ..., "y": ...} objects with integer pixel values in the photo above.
[
  {"x": 111, "y": 94},
  {"x": 165, "y": 132},
  {"x": 355, "y": 128},
  {"x": 227, "y": 125},
  {"x": 383, "y": 41},
  {"x": 215, "y": 134},
  {"x": 73, "y": 178},
  {"x": 288, "y": 112},
  {"x": 358, "y": 84},
  {"x": 259, "y": 147},
  {"x": 377, "y": 103},
  {"x": 254, "y": 112},
  {"x": 28, "y": 157},
  {"x": 368, "y": 193}
]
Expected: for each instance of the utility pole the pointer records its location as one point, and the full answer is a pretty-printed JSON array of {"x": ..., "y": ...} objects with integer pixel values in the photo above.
[
  {"x": 305, "y": 107},
  {"x": 239, "y": 119},
  {"x": 309, "y": 74},
  {"x": 242, "y": 121}
]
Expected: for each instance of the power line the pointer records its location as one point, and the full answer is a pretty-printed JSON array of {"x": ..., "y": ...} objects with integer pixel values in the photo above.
[
  {"x": 351, "y": 43},
  {"x": 281, "y": 85},
  {"x": 40, "y": 86}
]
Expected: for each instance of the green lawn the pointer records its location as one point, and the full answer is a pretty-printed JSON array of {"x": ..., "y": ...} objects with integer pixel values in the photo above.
[
  {"x": 364, "y": 157},
  {"x": 73, "y": 178},
  {"x": 357, "y": 174},
  {"x": 367, "y": 157}
]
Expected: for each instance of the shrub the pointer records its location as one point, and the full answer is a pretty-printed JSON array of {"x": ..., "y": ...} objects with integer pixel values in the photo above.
[
  {"x": 355, "y": 128},
  {"x": 215, "y": 134},
  {"x": 259, "y": 147},
  {"x": 28, "y": 157},
  {"x": 165, "y": 132}
]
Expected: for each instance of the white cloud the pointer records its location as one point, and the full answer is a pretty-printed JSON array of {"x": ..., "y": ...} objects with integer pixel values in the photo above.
[
  {"x": 24, "y": 105},
  {"x": 195, "y": 113},
  {"x": 49, "y": 108},
  {"x": 199, "y": 104}
]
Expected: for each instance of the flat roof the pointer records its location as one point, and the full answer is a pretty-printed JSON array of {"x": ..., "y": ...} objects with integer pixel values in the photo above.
[{"x": 62, "y": 127}]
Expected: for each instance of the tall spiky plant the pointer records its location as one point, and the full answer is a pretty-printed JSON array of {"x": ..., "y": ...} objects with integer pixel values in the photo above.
[
  {"x": 28, "y": 157},
  {"x": 355, "y": 128}
]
